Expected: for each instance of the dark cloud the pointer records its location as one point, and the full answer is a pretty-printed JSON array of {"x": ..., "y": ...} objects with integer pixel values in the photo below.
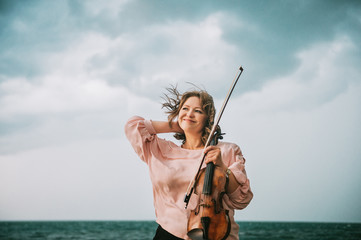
[
  {"x": 266, "y": 34},
  {"x": 284, "y": 28},
  {"x": 30, "y": 31}
]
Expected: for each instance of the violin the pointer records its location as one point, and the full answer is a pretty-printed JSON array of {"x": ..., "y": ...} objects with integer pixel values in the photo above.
[{"x": 209, "y": 221}]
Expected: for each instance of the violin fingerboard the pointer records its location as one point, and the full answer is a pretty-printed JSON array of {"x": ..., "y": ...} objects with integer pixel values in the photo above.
[{"x": 207, "y": 186}]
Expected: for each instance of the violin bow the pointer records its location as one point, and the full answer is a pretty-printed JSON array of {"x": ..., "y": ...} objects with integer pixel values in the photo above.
[{"x": 192, "y": 184}]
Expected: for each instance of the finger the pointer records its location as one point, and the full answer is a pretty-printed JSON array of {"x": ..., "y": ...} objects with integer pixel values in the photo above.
[
  {"x": 213, "y": 154},
  {"x": 212, "y": 159},
  {"x": 209, "y": 159},
  {"x": 210, "y": 148}
]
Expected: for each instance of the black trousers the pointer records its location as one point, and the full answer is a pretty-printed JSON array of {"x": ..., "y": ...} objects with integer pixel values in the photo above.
[{"x": 162, "y": 234}]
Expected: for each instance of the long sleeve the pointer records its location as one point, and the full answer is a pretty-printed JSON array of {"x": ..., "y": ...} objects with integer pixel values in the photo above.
[
  {"x": 140, "y": 134},
  {"x": 242, "y": 196}
]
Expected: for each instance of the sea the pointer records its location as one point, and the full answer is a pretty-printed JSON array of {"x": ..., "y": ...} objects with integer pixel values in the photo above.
[{"x": 144, "y": 230}]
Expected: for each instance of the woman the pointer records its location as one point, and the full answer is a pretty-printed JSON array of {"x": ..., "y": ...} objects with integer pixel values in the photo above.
[{"x": 172, "y": 167}]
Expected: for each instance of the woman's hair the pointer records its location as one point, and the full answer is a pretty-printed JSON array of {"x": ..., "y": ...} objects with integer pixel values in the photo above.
[{"x": 174, "y": 102}]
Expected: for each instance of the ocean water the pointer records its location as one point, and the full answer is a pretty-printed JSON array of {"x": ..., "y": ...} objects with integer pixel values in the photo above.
[{"x": 144, "y": 230}]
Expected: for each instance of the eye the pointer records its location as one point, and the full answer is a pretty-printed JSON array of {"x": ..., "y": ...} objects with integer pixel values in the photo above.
[
  {"x": 199, "y": 111},
  {"x": 184, "y": 108}
]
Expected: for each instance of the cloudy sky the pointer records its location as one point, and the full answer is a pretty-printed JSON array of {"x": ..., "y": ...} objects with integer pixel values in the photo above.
[{"x": 72, "y": 72}]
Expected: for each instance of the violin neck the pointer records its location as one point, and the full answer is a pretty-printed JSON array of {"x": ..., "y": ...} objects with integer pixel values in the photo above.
[{"x": 208, "y": 177}]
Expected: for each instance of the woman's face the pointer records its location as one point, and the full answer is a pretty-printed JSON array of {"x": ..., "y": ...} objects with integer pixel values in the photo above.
[{"x": 191, "y": 117}]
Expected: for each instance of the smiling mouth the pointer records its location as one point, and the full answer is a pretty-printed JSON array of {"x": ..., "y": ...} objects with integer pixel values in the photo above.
[{"x": 189, "y": 120}]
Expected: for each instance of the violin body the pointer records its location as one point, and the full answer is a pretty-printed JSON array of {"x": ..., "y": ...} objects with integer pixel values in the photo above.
[{"x": 209, "y": 221}]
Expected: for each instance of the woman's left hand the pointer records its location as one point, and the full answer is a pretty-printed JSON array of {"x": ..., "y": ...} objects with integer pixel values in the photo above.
[{"x": 214, "y": 154}]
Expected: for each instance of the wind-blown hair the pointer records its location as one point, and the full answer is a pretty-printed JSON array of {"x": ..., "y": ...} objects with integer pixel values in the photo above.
[{"x": 174, "y": 101}]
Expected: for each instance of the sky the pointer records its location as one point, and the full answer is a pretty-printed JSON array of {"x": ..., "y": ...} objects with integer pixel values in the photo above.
[{"x": 72, "y": 73}]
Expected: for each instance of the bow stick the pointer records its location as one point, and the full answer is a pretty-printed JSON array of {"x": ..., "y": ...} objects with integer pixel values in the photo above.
[{"x": 192, "y": 184}]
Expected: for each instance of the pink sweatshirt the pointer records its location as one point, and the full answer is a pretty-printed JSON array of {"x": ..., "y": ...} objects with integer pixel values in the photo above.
[{"x": 171, "y": 168}]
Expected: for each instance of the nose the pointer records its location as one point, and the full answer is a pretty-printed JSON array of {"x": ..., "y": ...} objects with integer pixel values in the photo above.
[{"x": 190, "y": 113}]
